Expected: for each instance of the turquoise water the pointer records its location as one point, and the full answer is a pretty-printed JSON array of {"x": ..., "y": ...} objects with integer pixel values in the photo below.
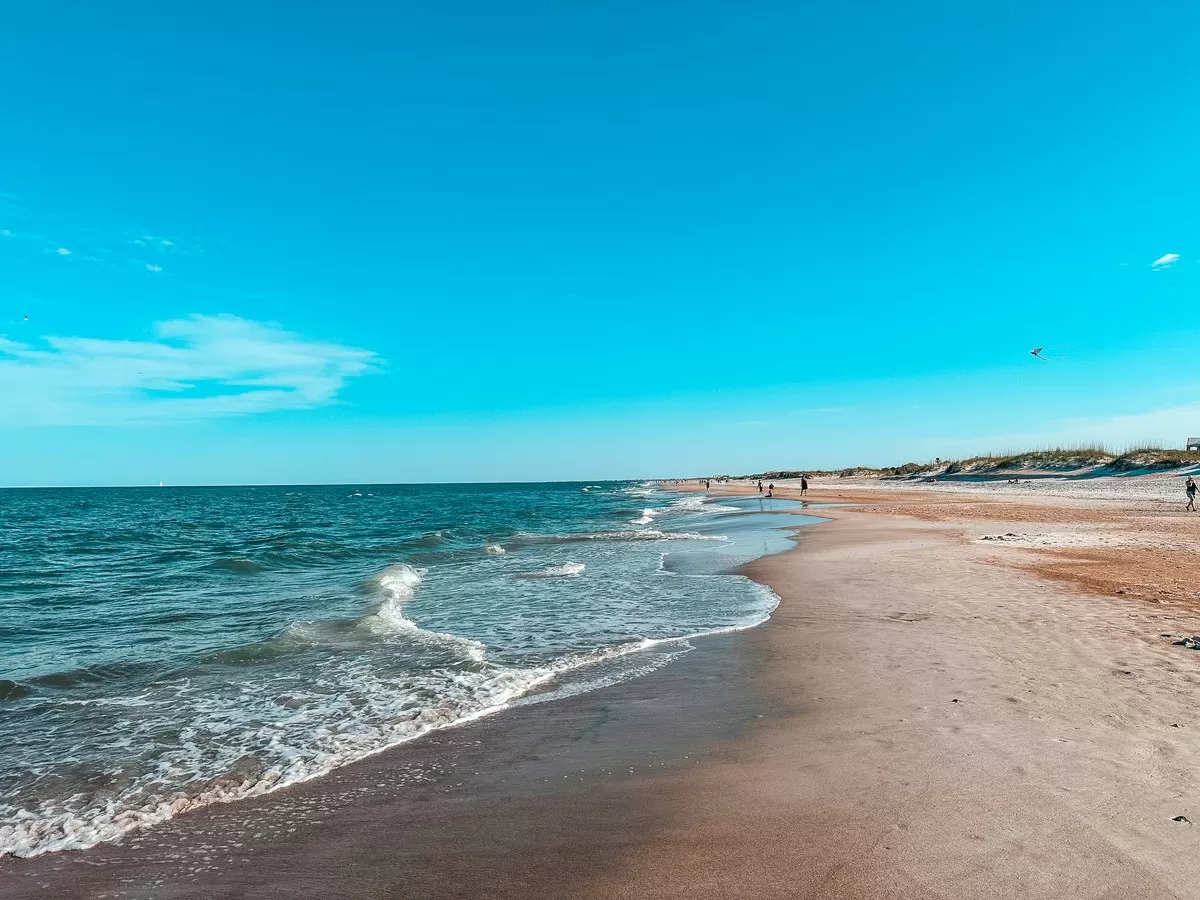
[{"x": 167, "y": 648}]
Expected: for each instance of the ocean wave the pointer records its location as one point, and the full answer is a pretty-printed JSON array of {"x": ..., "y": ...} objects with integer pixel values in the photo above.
[
  {"x": 292, "y": 735},
  {"x": 640, "y": 534},
  {"x": 697, "y": 503},
  {"x": 346, "y": 730},
  {"x": 494, "y": 549},
  {"x": 98, "y": 674},
  {"x": 399, "y": 584},
  {"x": 285, "y": 735},
  {"x": 427, "y": 541},
  {"x": 648, "y": 515},
  {"x": 651, "y": 534},
  {"x": 565, "y": 570},
  {"x": 643, "y": 490}
]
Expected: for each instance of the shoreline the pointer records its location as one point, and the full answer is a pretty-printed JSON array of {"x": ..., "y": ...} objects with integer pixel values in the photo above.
[
  {"x": 511, "y": 805},
  {"x": 537, "y": 652},
  {"x": 119, "y": 861},
  {"x": 914, "y": 720}
]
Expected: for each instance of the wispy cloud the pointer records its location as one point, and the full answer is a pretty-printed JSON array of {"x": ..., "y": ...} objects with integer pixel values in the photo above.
[
  {"x": 1165, "y": 261},
  {"x": 117, "y": 249},
  {"x": 194, "y": 368},
  {"x": 158, "y": 244}
]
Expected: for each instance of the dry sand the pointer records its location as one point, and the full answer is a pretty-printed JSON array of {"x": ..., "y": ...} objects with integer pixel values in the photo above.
[
  {"x": 925, "y": 716},
  {"x": 1110, "y": 535},
  {"x": 952, "y": 729}
]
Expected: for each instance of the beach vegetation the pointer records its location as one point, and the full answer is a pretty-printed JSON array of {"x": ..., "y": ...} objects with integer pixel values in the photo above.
[{"x": 1074, "y": 460}]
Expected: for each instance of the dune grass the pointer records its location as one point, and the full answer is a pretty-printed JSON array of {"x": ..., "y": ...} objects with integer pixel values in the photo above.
[
  {"x": 1067, "y": 458},
  {"x": 1052, "y": 458}
]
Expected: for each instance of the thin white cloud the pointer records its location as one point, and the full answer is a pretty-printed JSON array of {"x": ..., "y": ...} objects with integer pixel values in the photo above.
[
  {"x": 195, "y": 368},
  {"x": 151, "y": 267},
  {"x": 157, "y": 243},
  {"x": 27, "y": 236},
  {"x": 1164, "y": 261},
  {"x": 118, "y": 250}
]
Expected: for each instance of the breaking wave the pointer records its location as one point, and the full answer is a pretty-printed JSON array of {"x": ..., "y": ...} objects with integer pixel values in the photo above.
[{"x": 566, "y": 570}]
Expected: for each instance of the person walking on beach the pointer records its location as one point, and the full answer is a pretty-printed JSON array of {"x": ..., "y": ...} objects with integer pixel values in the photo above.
[
  {"x": 1190, "y": 487},
  {"x": 770, "y": 490},
  {"x": 803, "y": 485}
]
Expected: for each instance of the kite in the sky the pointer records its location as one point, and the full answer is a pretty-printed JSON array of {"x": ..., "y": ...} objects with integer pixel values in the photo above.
[{"x": 1037, "y": 351}]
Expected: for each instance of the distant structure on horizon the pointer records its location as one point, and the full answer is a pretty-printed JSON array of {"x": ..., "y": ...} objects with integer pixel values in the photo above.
[{"x": 1192, "y": 444}]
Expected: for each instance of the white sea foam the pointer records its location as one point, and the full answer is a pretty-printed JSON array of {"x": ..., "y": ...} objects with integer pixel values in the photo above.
[
  {"x": 636, "y": 534},
  {"x": 494, "y": 549},
  {"x": 644, "y": 490},
  {"x": 306, "y": 743},
  {"x": 390, "y": 719},
  {"x": 697, "y": 504},
  {"x": 565, "y": 570},
  {"x": 607, "y": 674},
  {"x": 651, "y": 534},
  {"x": 392, "y": 715},
  {"x": 648, "y": 515},
  {"x": 399, "y": 583},
  {"x": 595, "y": 657}
]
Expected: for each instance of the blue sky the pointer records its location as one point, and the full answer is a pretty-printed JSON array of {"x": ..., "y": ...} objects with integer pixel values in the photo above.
[{"x": 388, "y": 242}]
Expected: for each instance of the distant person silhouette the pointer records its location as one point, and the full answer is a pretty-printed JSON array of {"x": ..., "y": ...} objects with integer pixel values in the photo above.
[
  {"x": 760, "y": 486},
  {"x": 803, "y": 485},
  {"x": 1190, "y": 487}
]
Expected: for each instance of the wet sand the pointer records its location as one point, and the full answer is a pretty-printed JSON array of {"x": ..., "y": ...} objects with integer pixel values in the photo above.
[
  {"x": 538, "y": 801},
  {"x": 918, "y": 719}
]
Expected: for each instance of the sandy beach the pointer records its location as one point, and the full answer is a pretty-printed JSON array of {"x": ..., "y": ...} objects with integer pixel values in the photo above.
[{"x": 963, "y": 694}]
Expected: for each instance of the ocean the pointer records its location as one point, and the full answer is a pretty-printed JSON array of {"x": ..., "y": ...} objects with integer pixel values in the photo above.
[{"x": 166, "y": 648}]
